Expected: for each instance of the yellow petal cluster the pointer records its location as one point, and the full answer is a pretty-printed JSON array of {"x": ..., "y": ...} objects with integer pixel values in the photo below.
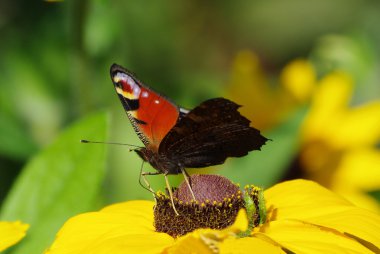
[
  {"x": 268, "y": 101},
  {"x": 339, "y": 141},
  {"x": 339, "y": 138},
  {"x": 250, "y": 87},
  {"x": 303, "y": 217}
]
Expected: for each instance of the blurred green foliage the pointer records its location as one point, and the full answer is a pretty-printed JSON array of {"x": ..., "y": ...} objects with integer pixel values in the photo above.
[
  {"x": 54, "y": 70},
  {"x": 61, "y": 181}
]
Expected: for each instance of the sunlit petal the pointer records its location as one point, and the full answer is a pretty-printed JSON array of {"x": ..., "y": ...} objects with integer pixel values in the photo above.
[
  {"x": 358, "y": 197},
  {"x": 11, "y": 233},
  {"x": 309, "y": 202},
  {"x": 358, "y": 222},
  {"x": 191, "y": 243},
  {"x": 249, "y": 245},
  {"x": 302, "y": 199},
  {"x": 300, "y": 237},
  {"x": 241, "y": 222},
  {"x": 116, "y": 229}
]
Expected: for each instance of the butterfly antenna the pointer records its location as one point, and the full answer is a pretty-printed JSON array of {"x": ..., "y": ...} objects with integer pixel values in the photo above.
[{"x": 110, "y": 143}]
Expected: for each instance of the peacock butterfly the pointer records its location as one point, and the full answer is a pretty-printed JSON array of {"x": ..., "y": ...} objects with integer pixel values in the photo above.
[{"x": 176, "y": 138}]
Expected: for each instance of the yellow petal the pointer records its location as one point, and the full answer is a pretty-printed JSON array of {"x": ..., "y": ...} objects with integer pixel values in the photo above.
[
  {"x": 299, "y": 78},
  {"x": 353, "y": 221},
  {"x": 121, "y": 228},
  {"x": 359, "y": 126},
  {"x": 329, "y": 102},
  {"x": 300, "y": 237},
  {"x": 248, "y": 245},
  {"x": 333, "y": 94},
  {"x": 11, "y": 233},
  {"x": 359, "y": 198},
  {"x": 359, "y": 169},
  {"x": 311, "y": 203},
  {"x": 241, "y": 222},
  {"x": 142, "y": 206},
  {"x": 301, "y": 199},
  {"x": 191, "y": 243}
]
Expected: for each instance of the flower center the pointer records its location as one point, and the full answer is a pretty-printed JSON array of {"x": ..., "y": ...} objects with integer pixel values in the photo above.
[{"x": 217, "y": 203}]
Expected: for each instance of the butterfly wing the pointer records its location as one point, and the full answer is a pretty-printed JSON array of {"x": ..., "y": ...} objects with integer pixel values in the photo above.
[
  {"x": 209, "y": 134},
  {"x": 151, "y": 114}
]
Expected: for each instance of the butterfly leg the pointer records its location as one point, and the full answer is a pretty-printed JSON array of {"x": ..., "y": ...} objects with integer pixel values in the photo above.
[
  {"x": 170, "y": 193},
  {"x": 147, "y": 185},
  {"x": 186, "y": 176}
]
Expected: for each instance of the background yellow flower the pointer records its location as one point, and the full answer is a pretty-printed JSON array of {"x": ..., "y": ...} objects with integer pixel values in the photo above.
[
  {"x": 11, "y": 233},
  {"x": 337, "y": 141}
]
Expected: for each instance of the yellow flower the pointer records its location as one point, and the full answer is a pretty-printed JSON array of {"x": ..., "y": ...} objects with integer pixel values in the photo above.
[
  {"x": 303, "y": 217},
  {"x": 264, "y": 103},
  {"x": 249, "y": 87},
  {"x": 338, "y": 142},
  {"x": 11, "y": 233}
]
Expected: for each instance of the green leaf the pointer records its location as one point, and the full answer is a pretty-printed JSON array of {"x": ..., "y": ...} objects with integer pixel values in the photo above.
[
  {"x": 15, "y": 143},
  {"x": 61, "y": 181}
]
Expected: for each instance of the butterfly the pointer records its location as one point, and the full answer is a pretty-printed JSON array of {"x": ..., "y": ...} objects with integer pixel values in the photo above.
[{"x": 176, "y": 138}]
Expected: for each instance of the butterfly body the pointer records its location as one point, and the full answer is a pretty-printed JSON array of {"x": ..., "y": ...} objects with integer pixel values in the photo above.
[
  {"x": 175, "y": 138},
  {"x": 160, "y": 162}
]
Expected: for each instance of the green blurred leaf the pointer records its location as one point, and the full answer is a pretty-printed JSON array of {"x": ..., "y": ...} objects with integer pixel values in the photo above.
[
  {"x": 61, "y": 181},
  {"x": 101, "y": 30},
  {"x": 15, "y": 143},
  {"x": 266, "y": 167},
  {"x": 33, "y": 101}
]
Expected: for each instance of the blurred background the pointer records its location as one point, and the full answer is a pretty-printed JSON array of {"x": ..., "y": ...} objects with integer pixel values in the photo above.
[{"x": 306, "y": 73}]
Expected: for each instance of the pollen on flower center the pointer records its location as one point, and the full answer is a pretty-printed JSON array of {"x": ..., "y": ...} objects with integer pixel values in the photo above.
[{"x": 217, "y": 203}]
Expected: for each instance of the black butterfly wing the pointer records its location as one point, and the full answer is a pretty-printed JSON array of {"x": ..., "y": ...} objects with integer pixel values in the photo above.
[{"x": 210, "y": 133}]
